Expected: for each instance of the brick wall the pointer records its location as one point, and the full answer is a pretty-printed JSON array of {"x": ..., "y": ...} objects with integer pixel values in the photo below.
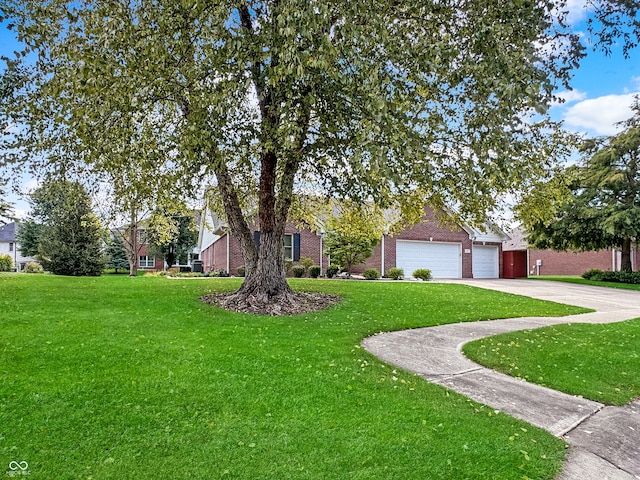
[
  {"x": 309, "y": 245},
  {"x": 159, "y": 261},
  {"x": 569, "y": 263}
]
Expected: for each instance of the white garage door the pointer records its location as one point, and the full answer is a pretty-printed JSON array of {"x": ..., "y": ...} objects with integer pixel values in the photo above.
[
  {"x": 443, "y": 259},
  {"x": 485, "y": 262}
]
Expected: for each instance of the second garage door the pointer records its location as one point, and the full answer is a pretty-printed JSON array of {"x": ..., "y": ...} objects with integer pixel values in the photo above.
[
  {"x": 485, "y": 262},
  {"x": 443, "y": 259}
]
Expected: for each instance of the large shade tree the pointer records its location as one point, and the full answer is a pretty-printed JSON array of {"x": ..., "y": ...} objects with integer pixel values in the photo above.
[
  {"x": 379, "y": 102},
  {"x": 603, "y": 210}
]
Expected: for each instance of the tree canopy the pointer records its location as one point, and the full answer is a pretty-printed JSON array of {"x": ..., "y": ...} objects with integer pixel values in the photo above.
[
  {"x": 6, "y": 214},
  {"x": 603, "y": 210},
  {"x": 67, "y": 237},
  {"x": 443, "y": 101},
  {"x": 171, "y": 237},
  {"x": 352, "y": 234}
]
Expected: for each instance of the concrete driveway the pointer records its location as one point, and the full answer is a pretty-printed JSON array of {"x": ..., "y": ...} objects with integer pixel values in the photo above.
[{"x": 605, "y": 440}]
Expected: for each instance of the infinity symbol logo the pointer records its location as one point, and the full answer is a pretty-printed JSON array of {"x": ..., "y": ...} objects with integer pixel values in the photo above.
[{"x": 18, "y": 465}]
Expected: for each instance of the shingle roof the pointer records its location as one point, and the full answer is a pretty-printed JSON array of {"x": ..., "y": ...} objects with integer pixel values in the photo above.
[{"x": 8, "y": 232}]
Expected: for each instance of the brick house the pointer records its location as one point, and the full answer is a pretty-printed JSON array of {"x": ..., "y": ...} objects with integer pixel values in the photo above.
[
  {"x": 458, "y": 251},
  {"x": 146, "y": 262},
  {"x": 551, "y": 262}
]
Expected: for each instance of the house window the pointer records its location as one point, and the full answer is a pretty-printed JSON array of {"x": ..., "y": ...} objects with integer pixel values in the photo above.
[
  {"x": 142, "y": 237},
  {"x": 11, "y": 246},
  {"x": 147, "y": 262},
  {"x": 288, "y": 246}
]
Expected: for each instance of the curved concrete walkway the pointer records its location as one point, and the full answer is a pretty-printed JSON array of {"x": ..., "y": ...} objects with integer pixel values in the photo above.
[{"x": 605, "y": 440}]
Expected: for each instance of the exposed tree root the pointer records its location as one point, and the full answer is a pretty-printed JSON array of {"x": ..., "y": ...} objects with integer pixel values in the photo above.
[{"x": 289, "y": 303}]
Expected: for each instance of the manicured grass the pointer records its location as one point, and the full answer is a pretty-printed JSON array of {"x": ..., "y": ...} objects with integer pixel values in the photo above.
[
  {"x": 582, "y": 281},
  {"x": 599, "y": 362},
  {"x": 128, "y": 378}
]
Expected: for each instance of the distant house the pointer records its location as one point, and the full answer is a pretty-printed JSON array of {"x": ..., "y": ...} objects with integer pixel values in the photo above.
[
  {"x": 147, "y": 261},
  {"x": 449, "y": 252},
  {"x": 551, "y": 262},
  {"x": 9, "y": 245}
]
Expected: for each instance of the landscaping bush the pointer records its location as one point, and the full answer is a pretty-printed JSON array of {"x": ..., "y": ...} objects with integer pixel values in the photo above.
[
  {"x": 160, "y": 273},
  {"x": 395, "y": 273},
  {"x": 371, "y": 274},
  {"x": 314, "y": 271},
  {"x": 298, "y": 271},
  {"x": 306, "y": 262},
  {"x": 33, "y": 267},
  {"x": 629, "y": 277},
  {"x": 6, "y": 264},
  {"x": 241, "y": 271},
  {"x": 332, "y": 270},
  {"x": 288, "y": 266},
  {"x": 589, "y": 274},
  {"x": 608, "y": 276},
  {"x": 422, "y": 274},
  {"x": 188, "y": 274}
]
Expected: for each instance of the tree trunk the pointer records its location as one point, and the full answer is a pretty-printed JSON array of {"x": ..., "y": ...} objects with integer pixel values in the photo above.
[
  {"x": 268, "y": 279},
  {"x": 265, "y": 288},
  {"x": 625, "y": 262},
  {"x": 132, "y": 247}
]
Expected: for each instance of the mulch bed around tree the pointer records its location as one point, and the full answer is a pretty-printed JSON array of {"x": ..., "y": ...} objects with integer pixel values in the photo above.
[{"x": 289, "y": 304}]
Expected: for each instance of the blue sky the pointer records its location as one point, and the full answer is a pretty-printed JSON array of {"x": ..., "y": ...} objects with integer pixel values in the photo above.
[{"x": 603, "y": 89}]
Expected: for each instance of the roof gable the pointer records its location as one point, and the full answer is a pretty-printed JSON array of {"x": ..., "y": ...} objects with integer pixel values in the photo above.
[{"x": 8, "y": 232}]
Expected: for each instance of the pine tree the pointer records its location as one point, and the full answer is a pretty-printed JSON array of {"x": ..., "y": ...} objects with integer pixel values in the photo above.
[
  {"x": 71, "y": 240},
  {"x": 116, "y": 254}
]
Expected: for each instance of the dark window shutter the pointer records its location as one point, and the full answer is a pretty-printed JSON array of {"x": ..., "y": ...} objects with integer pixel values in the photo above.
[
  {"x": 256, "y": 239},
  {"x": 296, "y": 247}
]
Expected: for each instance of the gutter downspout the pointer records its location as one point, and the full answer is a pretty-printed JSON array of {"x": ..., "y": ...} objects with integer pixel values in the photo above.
[
  {"x": 321, "y": 235},
  {"x": 228, "y": 261},
  {"x": 382, "y": 255}
]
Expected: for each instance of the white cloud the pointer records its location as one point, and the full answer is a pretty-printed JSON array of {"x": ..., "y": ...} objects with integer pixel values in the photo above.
[
  {"x": 599, "y": 115},
  {"x": 570, "y": 96},
  {"x": 577, "y": 9},
  {"x": 30, "y": 185},
  {"x": 20, "y": 213}
]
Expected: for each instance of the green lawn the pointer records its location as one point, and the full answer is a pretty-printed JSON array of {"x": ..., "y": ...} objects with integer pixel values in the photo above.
[
  {"x": 128, "y": 378},
  {"x": 599, "y": 362}
]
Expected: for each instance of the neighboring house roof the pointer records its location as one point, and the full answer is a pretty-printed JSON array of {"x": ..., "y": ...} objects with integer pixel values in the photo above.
[
  {"x": 8, "y": 232},
  {"x": 488, "y": 233},
  {"x": 518, "y": 241}
]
